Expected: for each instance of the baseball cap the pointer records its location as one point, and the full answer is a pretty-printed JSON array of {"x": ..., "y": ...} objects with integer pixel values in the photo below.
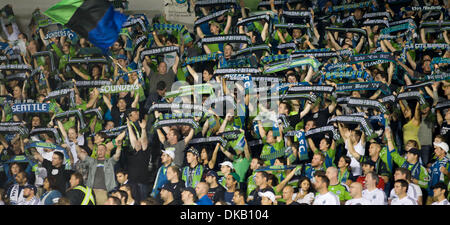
[
  {"x": 212, "y": 173},
  {"x": 414, "y": 151},
  {"x": 30, "y": 186},
  {"x": 442, "y": 145},
  {"x": 168, "y": 188},
  {"x": 193, "y": 151},
  {"x": 227, "y": 163},
  {"x": 268, "y": 194},
  {"x": 368, "y": 162},
  {"x": 132, "y": 110},
  {"x": 190, "y": 189},
  {"x": 121, "y": 56},
  {"x": 235, "y": 176},
  {"x": 170, "y": 153}
]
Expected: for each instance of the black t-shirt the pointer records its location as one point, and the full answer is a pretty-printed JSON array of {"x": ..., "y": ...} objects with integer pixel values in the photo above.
[
  {"x": 177, "y": 194},
  {"x": 320, "y": 117},
  {"x": 61, "y": 175},
  {"x": 216, "y": 194},
  {"x": 445, "y": 130},
  {"x": 118, "y": 117},
  {"x": 138, "y": 166},
  {"x": 256, "y": 198}
]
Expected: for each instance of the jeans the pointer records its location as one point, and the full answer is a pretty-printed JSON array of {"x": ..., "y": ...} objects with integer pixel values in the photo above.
[
  {"x": 143, "y": 190},
  {"x": 426, "y": 152}
]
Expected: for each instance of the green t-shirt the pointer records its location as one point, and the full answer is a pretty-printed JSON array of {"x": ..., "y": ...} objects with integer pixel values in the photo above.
[
  {"x": 269, "y": 150},
  {"x": 340, "y": 191},
  {"x": 241, "y": 165}
]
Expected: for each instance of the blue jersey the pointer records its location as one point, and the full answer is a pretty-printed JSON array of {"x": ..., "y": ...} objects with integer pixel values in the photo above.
[{"x": 436, "y": 175}]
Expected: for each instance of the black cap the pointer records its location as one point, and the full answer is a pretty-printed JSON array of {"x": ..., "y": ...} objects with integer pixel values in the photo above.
[
  {"x": 193, "y": 151},
  {"x": 190, "y": 189},
  {"x": 368, "y": 162},
  {"x": 168, "y": 187},
  {"x": 212, "y": 173},
  {"x": 32, "y": 187},
  {"x": 414, "y": 151}
]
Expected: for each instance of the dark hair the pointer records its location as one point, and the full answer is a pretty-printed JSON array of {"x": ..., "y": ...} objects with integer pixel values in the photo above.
[
  {"x": 52, "y": 182},
  {"x": 265, "y": 175},
  {"x": 123, "y": 171},
  {"x": 59, "y": 154},
  {"x": 328, "y": 140},
  {"x": 403, "y": 183},
  {"x": 123, "y": 194},
  {"x": 348, "y": 160},
  {"x": 115, "y": 200},
  {"x": 442, "y": 186},
  {"x": 311, "y": 188},
  {"x": 176, "y": 132},
  {"x": 150, "y": 201},
  {"x": 161, "y": 85},
  {"x": 358, "y": 133},
  {"x": 282, "y": 160},
  {"x": 374, "y": 176},
  {"x": 288, "y": 105},
  {"x": 324, "y": 179},
  {"x": 172, "y": 39},
  {"x": 79, "y": 177},
  {"x": 405, "y": 172}
]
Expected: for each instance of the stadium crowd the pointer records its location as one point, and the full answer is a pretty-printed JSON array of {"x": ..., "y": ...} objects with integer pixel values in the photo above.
[{"x": 284, "y": 102}]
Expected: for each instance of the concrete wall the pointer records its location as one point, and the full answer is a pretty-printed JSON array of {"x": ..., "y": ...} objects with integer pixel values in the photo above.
[{"x": 24, "y": 8}]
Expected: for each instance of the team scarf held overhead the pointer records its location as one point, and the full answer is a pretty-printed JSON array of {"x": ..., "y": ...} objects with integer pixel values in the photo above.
[
  {"x": 181, "y": 29},
  {"x": 95, "y": 20},
  {"x": 348, "y": 7},
  {"x": 360, "y": 86},
  {"x": 289, "y": 64},
  {"x": 302, "y": 144},
  {"x": 159, "y": 51}
]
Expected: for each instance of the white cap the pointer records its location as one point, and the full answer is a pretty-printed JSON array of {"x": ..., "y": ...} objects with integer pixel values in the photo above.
[
  {"x": 268, "y": 194},
  {"x": 442, "y": 145},
  {"x": 227, "y": 163},
  {"x": 170, "y": 153}
]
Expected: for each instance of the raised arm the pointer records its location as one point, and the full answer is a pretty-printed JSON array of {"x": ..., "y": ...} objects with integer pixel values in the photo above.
[
  {"x": 161, "y": 136},
  {"x": 144, "y": 138},
  {"x": 189, "y": 137},
  {"x": 132, "y": 136},
  {"x": 227, "y": 28},
  {"x": 213, "y": 160},
  {"x": 107, "y": 101}
]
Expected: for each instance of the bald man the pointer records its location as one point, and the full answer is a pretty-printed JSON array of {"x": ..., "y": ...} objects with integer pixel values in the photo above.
[
  {"x": 356, "y": 193},
  {"x": 202, "y": 193},
  {"x": 288, "y": 192},
  {"x": 341, "y": 190}
]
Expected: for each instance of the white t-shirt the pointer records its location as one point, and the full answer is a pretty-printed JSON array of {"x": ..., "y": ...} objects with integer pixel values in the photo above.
[
  {"x": 414, "y": 192},
  {"x": 354, "y": 164},
  {"x": 308, "y": 199},
  {"x": 14, "y": 35},
  {"x": 376, "y": 196},
  {"x": 169, "y": 59},
  {"x": 404, "y": 201},
  {"x": 443, "y": 202},
  {"x": 326, "y": 199},
  {"x": 80, "y": 141},
  {"x": 358, "y": 201}
]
